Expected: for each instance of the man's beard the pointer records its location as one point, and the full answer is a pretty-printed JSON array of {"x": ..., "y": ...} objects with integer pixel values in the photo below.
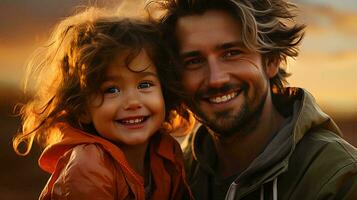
[{"x": 226, "y": 123}]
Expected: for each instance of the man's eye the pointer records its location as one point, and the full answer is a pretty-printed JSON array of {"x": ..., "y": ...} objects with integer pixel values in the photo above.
[
  {"x": 231, "y": 53},
  {"x": 144, "y": 85},
  {"x": 111, "y": 90},
  {"x": 193, "y": 63}
]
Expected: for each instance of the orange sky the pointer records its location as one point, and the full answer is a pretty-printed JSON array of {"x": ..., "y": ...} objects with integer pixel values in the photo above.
[{"x": 327, "y": 65}]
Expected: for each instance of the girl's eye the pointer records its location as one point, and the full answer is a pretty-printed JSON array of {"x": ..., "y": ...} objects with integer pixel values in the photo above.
[
  {"x": 144, "y": 85},
  {"x": 111, "y": 90}
]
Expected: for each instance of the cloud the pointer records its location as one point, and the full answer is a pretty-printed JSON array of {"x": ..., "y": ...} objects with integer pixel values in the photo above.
[
  {"x": 327, "y": 65},
  {"x": 23, "y": 21},
  {"x": 323, "y": 19}
]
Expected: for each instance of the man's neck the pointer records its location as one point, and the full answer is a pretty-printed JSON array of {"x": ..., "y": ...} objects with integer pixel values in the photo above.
[{"x": 236, "y": 153}]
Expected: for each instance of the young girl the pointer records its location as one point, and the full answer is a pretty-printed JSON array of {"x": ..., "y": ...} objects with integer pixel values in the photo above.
[{"x": 99, "y": 107}]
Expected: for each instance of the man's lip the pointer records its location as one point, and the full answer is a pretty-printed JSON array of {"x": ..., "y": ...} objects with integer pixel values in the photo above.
[
  {"x": 223, "y": 98},
  {"x": 228, "y": 94}
]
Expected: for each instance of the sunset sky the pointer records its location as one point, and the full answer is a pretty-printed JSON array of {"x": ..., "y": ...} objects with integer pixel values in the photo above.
[{"x": 327, "y": 65}]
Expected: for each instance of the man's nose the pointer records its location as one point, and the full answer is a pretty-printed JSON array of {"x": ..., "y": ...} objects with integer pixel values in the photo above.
[
  {"x": 218, "y": 76},
  {"x": 132, "y": 101}
]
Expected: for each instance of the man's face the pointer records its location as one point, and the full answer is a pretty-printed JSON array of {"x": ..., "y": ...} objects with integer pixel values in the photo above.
[{"x": 227, "y": 82}]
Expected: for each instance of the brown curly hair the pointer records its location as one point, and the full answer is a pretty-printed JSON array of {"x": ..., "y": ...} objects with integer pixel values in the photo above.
[{"x": 72, "y": 66}]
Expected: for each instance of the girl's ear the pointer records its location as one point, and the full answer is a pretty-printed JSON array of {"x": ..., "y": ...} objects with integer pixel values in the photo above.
[{"x": 85, "y": 118}]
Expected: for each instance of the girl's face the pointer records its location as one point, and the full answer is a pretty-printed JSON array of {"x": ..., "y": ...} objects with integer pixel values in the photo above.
[{"x": 133, "y": 107}]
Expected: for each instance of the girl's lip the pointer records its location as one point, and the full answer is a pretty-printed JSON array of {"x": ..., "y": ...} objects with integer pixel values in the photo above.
[
  {"x": 131, "y": 118},
  {"x": 134, "y": 126},
  {"x": 132, "y": 122}
]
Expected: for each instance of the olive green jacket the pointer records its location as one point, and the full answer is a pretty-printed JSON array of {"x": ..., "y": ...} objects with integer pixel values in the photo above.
[{"x": 306, "y": 159}]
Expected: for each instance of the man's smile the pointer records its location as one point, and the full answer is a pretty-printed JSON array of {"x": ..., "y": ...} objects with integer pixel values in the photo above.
[{"x": 223, "y": 98}]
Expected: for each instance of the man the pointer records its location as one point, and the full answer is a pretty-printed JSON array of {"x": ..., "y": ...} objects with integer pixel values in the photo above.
[{"x": 259, "y": 139}]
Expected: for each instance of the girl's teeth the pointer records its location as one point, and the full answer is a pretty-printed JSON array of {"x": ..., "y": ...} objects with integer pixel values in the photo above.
[{"x": 133, "y": 121}]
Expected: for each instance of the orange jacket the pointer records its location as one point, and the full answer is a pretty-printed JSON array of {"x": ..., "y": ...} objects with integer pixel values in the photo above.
[{"x": 85, "y": 166}]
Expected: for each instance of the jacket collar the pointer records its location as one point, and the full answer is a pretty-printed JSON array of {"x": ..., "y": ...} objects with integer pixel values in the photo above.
[
  {"x": 162, "y": 145},
  {"x": 274, "y": 159}
]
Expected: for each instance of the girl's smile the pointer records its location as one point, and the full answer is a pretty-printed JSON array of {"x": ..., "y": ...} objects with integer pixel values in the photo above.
[{"x": 133, "y": 106}]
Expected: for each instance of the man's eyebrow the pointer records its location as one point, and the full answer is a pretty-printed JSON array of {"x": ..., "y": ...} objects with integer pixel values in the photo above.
[
  {"x": 190, "y": 54},
  {"x": 229, "y": 45}
]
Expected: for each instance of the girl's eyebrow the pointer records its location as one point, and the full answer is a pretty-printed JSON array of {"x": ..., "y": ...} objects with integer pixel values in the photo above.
[
  {"x": 141, "y": 74},
  {"x": 111, "y": 78},
  {"x": 144, "y": 73}
]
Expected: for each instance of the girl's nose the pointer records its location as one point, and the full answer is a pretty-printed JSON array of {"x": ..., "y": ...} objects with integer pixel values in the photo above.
[{"x": 132, "y": 101}]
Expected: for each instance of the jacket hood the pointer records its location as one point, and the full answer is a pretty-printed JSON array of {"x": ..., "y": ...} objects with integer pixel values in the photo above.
[
  {"x": 309, "y": 115},
  {"x": 306, "y": 115}
]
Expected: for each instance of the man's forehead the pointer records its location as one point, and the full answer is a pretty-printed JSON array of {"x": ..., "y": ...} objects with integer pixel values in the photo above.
[
  {"x": 213, "y": 29},
  {"x": 218, "y": 47},
  {"x": 213, "y": 16}
]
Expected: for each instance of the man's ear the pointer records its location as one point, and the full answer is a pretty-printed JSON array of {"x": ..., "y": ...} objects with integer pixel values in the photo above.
[{"x": 272, "y": 69}]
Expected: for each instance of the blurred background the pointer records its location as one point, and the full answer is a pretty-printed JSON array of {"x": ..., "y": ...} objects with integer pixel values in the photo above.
[{"x": 327, "y": 67}]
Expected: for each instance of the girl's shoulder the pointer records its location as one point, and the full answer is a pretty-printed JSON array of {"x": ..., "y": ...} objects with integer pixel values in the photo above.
[
  {"x": 81, "y": 173},
  {"x": 89, "y": 155},
  {"x": 88, "y": 158}
]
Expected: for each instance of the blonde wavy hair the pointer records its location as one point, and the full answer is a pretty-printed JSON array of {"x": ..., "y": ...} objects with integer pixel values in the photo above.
[{"x": 268, "y": 27}]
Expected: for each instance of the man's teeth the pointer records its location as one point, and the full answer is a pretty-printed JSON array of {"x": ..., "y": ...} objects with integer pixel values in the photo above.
[
  {"x": 224, "y": 98},
  {"x": 133, "y": 121}
]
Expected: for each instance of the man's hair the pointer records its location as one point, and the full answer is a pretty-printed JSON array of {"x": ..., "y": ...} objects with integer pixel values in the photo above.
[{"x": 268, "y": 27}]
